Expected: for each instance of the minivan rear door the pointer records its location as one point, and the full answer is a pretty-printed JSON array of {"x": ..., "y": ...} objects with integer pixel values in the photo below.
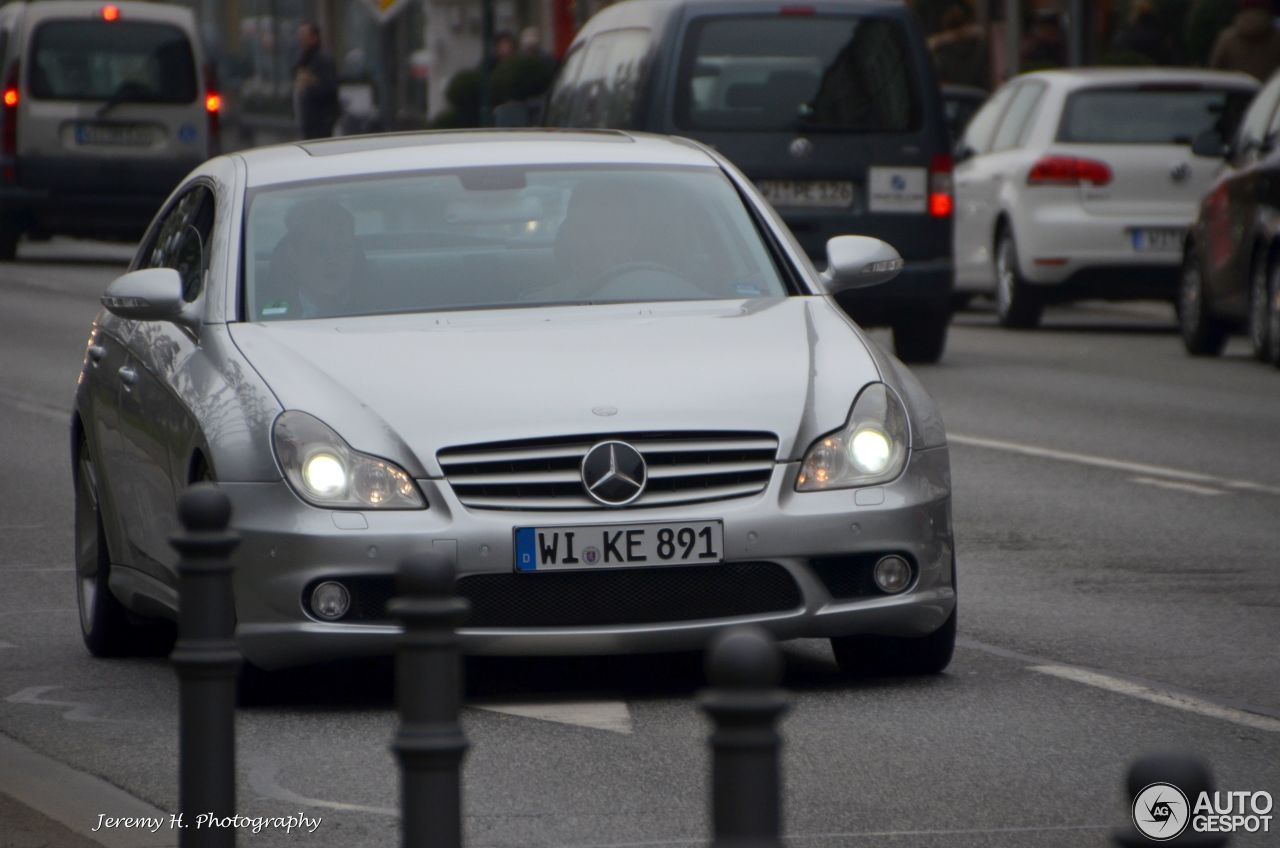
[{"x": 827, "y": 112}]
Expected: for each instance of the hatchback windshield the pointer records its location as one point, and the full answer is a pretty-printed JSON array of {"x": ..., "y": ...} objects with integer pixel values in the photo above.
[
  {"x": 797, "y": 73},
  {"x": 120, "y": 60},
  {"x": 500, "y": 237},
  {"x": 1155, "y": 115}
]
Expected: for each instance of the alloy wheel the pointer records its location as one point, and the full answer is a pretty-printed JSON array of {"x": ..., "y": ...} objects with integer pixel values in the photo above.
[{"x": 88, "y": 553}]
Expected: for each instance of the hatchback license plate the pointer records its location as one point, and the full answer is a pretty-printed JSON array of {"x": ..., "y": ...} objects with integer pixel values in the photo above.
[
  {"x": 618, "y": 545},
  {"x": 1157, "y": 240},
  {"x": 113, "y": 135},
  {"x": 823, "y": 194}
]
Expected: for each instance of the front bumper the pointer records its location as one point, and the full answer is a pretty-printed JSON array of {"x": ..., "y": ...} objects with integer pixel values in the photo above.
[{"x": 287, "y": 546}]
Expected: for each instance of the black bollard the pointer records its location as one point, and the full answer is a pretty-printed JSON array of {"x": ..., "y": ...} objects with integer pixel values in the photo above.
[
  {"x": 429, "y": 743},
  {"x": 206, "y": 659},
  {"x": 744, "y": 666},
  {"x": 1175, "y": 781}
]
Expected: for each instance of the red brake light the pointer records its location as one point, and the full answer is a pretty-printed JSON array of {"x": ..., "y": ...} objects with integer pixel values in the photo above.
[
  {"x": 213, "y": 102},
  {"x": 941, "y": 192},
  {"x": 1068, "y": 171},
  {"x": 797, "y": 10},
  {"x": 9, "y": 119},
  {"x": 11, "y": 97},
  {"x": 110, "y": 13}
]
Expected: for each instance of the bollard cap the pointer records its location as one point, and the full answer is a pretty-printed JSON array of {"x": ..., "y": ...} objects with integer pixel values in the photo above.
[
  {"x": 744, "y": 657},
  {"x": 425, "y": 575},
  {"x": 203, "y": 508}
]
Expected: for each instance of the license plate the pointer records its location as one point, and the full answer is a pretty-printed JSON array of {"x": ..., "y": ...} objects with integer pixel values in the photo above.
[
  {"x": 1157, "y": 240},
  {"x": 822, "y": 194},
  {"x": 618, "y": 545},
  {"x": 113, "y": 135}
]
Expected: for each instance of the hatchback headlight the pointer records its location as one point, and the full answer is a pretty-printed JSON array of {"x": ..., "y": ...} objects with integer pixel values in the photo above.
[
  {"x": 325, "y": 471},
  {"x": 871, "y": 447}
]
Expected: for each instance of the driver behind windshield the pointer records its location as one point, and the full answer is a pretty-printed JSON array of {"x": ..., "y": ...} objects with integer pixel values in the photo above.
[{"x": 315, "y": 269}]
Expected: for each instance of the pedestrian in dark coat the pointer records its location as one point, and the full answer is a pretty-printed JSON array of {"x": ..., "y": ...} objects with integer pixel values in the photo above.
[
  {"x": 1251, "y": 44},
  {"x": 315, "y": 86}
]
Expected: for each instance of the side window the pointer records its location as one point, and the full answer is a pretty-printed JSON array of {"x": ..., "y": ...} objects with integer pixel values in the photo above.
[
  {"x": 565, "y": 89},
  {"x": 977, "y": 136},
  {"x": 1018, "y": 117},
  {"x": 627, "y": 60},
  {"x": 1254, "y": 126},
  {"x": 181, "y": 238}
]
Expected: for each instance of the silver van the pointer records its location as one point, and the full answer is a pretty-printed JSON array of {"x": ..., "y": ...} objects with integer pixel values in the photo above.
[
  {"x": 106, "y": 106},
  {"x": 830, "y": 107}
]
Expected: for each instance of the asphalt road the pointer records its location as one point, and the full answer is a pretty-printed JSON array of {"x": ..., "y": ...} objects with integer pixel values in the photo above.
[{"x": 1117, "y": 509}]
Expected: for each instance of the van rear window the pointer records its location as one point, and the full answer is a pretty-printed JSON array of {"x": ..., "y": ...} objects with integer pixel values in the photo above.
[
  {"x": 1150, "y": 115},
  {"x": 811, "y": 73},
  {"x": 126, "y": 61}
]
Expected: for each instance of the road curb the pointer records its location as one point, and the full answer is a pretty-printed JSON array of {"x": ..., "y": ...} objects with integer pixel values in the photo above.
[{"x": 75, "y": 799}]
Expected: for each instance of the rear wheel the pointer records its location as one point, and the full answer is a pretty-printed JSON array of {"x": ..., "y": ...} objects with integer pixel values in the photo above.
[
  {"x": 1259, "y": 303},
  {"x": 880, "y": 656},
  {"x": 104, "y": 622},
  {"x": 1018, "y": 305},
  {"x": 1202, "y": 333},
  {"x": 921, "y": 336}
]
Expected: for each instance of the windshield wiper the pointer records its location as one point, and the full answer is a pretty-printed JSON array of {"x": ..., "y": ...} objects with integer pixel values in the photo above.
[{"x": 126, "y": 93}]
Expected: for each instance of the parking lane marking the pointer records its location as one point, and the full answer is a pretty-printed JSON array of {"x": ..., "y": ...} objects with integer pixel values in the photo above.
[
  {"x": 78, "y": 711},
  {"x": 1174, "y": 485},
  {"x": 1185, "y": 703},
  {"x": 1139, "y": 468},
  {"x": 263, "y": 780},
  {"x": 612, "y": 716},
  {"x": 793, "y": 837},
  {"x": 32, "y": 406},
  {"x": 4, "y": 644}
]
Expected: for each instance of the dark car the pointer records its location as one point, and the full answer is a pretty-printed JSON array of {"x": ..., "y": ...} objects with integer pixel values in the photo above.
[
  {"x": 960, "y": 103},
  {"x": 1231, "y": 262},
  {"x": 831, "y": 108}
]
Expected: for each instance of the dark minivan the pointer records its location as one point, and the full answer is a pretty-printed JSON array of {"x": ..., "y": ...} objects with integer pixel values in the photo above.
[{"x": 830, "y": 108}]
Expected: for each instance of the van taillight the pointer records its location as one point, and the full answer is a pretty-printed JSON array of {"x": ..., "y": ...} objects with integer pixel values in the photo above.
[
  {"x": 213, "y": 108},
  {"x": 1068, "y": 171},
  {"x": 941, "y": 197},
  {"x": 9, "y": 119}
]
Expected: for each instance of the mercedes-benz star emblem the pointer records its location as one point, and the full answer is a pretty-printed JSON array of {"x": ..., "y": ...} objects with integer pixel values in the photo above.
[
  {"x": 613, "y": 473},
  {"x": 800, "y": 148}
]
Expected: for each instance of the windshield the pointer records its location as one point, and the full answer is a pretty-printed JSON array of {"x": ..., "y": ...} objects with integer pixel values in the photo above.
[
  {"x": 1155, "y": 115},
  {"x": 100, "y": 60},
  {"x": 500, "y": 237},
  {"x": 788, "y": 73}
]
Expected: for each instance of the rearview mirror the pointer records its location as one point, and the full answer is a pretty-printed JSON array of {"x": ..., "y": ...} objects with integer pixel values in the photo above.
[
  {"x": 152, "y": 294},
  {"x": 1209, "y": 144},
  {"x": 854, "y": 262}
]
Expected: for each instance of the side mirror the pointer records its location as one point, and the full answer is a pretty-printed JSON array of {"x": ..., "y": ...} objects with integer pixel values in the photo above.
[
  {"x": 962, "y": 152},
  {"x": 854, "y": 262},
  {"x": 1209, "y": 144},
  {"x": 152, "y": 294}
]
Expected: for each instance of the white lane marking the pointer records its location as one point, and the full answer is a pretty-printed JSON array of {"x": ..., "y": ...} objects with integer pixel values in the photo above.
[
  {"x": 38, "y": 611},
  {"x": 1157, "y": 696},
  {"x": 36, "y": 407},
  {"x": 612, "y": 716},
  {"x": 263, "y": 781},
  {"x": 792, "y": 837},
  {"x": 1174, "y": 485},
  {"x": 11, "y": 569},
  {"x": 77, "y": 710},
  {"x": 4, "y": 644},
  {"x": 1114, "y": 464},
  {"x": 74, "y": 798}
]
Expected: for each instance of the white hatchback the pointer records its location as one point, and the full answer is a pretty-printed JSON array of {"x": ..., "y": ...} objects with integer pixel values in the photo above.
[{"x": 1081, "y": 183}]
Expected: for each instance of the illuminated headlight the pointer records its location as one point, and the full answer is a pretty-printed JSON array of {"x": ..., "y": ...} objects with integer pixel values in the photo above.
[
  {"x": 871, "y": 448},
  {"x": 325, "y": 471}
]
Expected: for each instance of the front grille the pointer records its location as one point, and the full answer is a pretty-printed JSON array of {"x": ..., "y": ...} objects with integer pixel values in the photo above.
[
  {"x": 633, "y": 596},
  {"x": 545, "y": 474}
]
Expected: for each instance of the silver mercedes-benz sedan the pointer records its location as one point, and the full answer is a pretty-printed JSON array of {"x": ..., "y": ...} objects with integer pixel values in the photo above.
[{"x": 593, "y": 369}]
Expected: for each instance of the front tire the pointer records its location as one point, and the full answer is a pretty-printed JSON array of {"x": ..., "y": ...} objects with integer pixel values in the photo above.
[
  {"x": 1018, "y": 305},
  {"x": 921, "y": 337},
  {"x": 104, "y": 623},
  {"x": 882, "y": 656},
  {"x": 1202, "y": 333}
]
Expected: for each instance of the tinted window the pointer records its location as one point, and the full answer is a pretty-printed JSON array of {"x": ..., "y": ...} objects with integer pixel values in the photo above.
[
  {"x": 977, "y": 136},
  {"x": 1155, "y": 115},
  {"x": 500, "y": 237},
  {"x": 96, "y": 60},
  {"x": 180, "y": 240},
  {"x": 789, "y": 73},
  {"x": 606, "y": 87},
  {"x": 566, "y": 85},
  {"x": 1017, "y": 118}
]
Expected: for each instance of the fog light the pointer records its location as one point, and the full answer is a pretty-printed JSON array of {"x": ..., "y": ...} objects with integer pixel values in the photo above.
[
  {"x": 892, "y": 574},
  {"x": 330, "y": 601}
]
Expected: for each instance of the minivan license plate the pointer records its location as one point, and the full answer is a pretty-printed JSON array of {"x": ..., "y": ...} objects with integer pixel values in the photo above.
[
  {"x": 113, "y": 135},
  {"x": 825, "y": 194},
  {"x": 618, "y": 545},
  {"x": 1157, "y": 240}
]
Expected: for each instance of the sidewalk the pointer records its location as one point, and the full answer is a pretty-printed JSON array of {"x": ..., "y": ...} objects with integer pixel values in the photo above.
[{"x": 23, "y": 827}]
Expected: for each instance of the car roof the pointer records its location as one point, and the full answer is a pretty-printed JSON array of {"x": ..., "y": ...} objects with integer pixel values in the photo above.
[
  {"x": 423, "y": 151},
  {"x": 91, "y": 9},
  {"x": 1085, "y": 77},
  {"x": 651, "y": 13}
]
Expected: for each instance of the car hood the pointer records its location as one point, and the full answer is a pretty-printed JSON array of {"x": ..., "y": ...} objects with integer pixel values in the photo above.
[{"x": 407, "y": 386}]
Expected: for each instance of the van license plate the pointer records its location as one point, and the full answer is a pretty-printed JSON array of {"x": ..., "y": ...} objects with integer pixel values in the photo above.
[
  {"x": 618, "y": 545},
  {"x": 113, "y": 135},
  {"x": 1157, "y": 240},
  {"x": 816, "y": 194}
]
